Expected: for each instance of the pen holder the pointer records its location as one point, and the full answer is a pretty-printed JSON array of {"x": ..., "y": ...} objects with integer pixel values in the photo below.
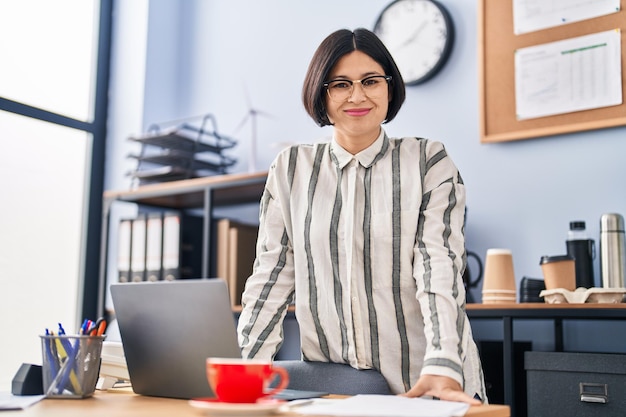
[{"x": 71, "y": 365}]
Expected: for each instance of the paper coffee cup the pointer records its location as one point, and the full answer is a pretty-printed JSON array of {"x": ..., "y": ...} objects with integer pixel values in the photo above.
[
  {"x": 499, "y": 281},
  {"x": 559, "y": 272}
]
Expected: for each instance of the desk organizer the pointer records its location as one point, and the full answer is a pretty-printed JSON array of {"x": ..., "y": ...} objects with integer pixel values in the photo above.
[
  {"x": 182, "y": 151},
  {"x": 70, "y": 365}
]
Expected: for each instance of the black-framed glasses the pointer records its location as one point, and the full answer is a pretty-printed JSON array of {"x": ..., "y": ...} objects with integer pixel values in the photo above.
[{"x": 374, "y": 86}]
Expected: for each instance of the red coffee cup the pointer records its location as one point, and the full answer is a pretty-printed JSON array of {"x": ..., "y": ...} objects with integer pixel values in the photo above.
[{"x": 244, "y": 380}]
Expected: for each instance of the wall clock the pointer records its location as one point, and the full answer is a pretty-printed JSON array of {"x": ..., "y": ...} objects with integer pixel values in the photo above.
[{"x": 419, "y": 34}]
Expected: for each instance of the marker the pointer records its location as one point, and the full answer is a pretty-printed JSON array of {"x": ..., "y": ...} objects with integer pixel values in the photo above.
[{"x": 101, "y": 326}]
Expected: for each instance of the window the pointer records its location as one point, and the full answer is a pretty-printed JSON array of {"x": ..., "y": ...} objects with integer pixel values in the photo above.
[{"x": 53, "y": 83}]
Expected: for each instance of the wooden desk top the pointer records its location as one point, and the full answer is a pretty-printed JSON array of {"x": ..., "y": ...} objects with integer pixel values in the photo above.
[
  {"x": 122, "y": 402},
  {"x": 543, "y": 306}
]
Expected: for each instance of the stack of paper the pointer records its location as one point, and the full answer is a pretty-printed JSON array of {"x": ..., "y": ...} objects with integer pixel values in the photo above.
[
  {"x": 384, "y": 406},
  {"x": 9, "y": 401}
]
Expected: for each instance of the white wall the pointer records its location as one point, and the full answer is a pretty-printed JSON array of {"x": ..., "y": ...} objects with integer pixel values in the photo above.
[
  {"x": 217, "y": 55},
  {"x": 126, "y": 106}
]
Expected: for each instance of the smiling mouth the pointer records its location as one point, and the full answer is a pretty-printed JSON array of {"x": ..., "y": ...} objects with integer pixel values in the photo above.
[{"x": 357, "y": 112}]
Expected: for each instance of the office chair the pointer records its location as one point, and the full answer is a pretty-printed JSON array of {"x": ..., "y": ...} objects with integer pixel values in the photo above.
[{"x": 334, "y": 378}]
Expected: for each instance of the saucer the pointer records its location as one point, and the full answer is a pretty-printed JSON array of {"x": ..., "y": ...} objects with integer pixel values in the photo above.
[{"x": 214, "y": 407}]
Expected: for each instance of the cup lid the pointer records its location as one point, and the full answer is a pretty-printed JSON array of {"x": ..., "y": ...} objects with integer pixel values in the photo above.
[
  {"x": 612, "y": 222},
  {"x": 498, "y": 251},
  {"x": 557, "y": 258},
  {"x": 577, "y": 225}
]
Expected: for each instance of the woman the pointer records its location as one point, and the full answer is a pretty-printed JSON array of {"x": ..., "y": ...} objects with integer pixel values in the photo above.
[{"x": 365, "y": 234}]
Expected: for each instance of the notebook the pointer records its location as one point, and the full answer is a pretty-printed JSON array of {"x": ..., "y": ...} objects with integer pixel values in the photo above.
[{"x": 169, "y": 328}]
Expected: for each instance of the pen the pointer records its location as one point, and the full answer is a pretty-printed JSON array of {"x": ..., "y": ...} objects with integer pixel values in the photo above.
[
  {"x": 97, "y": 328},
  {"x": 51, "y": 354},
  {"x": 68, "y": 355},
  {"x": 300, "y": 403},
  {"x": 67, "y": 370},
  {"x": 85, "y": 327}
]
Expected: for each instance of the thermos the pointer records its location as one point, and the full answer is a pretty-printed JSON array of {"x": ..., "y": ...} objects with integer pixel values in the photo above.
[
  {"x": 612, "y": 250},
  {"x": 582, "y": 249}
]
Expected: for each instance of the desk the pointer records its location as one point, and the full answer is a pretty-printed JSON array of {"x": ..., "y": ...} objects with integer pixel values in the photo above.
[
  {"x": 122, "y": 402},
  {"x": 538, "y": 311}
]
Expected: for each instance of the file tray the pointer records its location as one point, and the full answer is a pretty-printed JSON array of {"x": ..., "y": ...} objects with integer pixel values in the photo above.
[
  {"x": 187, "y": 160},
  {"x": 162, "y": 174},
  {"x": 181, "y": 152},
  {"x": 186, "y": 138},
  {"x": 575, "y": 384}
]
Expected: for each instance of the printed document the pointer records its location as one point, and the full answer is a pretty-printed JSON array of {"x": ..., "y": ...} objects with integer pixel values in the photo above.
[
  {"x": 531, "y": 15},
  {"x": 571, "y": 75},
  {"x": 9, "y": 401},
  {"x": 384, "y": 406}
]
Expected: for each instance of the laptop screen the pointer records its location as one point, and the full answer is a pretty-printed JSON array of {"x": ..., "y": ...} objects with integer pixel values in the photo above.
[{"x": 169, "y": 328}]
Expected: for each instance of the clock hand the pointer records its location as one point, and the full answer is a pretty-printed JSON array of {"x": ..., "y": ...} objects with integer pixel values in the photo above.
[{"x": 414, "y": 35}]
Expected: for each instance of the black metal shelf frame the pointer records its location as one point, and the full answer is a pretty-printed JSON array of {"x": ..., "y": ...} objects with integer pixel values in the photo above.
[{"x": 555, "y": 314}]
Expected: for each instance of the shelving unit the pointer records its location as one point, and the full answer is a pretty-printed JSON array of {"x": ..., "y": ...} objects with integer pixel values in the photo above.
[{"x": 204, "y": 193}]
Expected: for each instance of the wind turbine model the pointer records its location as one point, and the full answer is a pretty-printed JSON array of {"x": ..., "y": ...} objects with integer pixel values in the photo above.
[{"x": 252, "y": 116}]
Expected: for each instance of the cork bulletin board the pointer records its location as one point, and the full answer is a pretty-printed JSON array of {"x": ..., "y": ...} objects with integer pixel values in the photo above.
[{"x": 497, "y": 44}]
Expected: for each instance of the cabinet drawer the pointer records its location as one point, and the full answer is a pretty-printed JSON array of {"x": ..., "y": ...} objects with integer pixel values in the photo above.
[{"x": 575, "y": 384}]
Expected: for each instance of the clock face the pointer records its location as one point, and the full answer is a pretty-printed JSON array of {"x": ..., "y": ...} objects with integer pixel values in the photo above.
[{"x": 419, "y": 35}]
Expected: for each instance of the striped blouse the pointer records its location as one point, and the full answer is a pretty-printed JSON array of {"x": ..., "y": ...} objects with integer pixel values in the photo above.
[{"x": 370, "y": 249}]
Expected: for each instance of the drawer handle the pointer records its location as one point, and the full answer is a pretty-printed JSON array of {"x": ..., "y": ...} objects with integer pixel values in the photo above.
[{"x": 594, "y": 393}]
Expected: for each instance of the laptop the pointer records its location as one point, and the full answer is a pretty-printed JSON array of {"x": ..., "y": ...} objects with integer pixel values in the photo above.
[{"x": 169, "y": 328}]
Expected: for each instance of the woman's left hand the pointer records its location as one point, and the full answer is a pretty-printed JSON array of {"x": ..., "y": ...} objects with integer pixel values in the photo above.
[{"x": 440, "y": 387}]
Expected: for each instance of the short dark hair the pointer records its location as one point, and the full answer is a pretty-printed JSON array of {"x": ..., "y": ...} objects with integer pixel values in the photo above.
[{"x": 335, "y": 46}]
